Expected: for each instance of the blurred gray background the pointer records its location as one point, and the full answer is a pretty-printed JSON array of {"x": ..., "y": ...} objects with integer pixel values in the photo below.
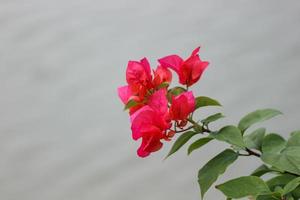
[{"x": 63, "y": 134}]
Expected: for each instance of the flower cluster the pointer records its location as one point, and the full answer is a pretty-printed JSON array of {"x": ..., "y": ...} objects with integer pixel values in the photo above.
[
  {"x": 154, "y": 108},
  {"x": 158, "y": 112}
]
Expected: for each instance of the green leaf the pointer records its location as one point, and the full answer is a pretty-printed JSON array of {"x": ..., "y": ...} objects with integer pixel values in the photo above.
[
  {"x": 273, "y": 143},
  {"x": 292, "y": 185},
  {"x": 280, "y": 180},
  {"x": 197, "y": 128},
  {"x": 210, "y": 172},
  {"x": 286, "y": 160},
  {"x": 257, "y": 116},
  {"x": 267, "y": 197},
  {"x": 294, "y": 140},
  {"x": 175, "y": 92},
  {"x": 243, "y": 187},
  {"x": 254, "y": 140},
  {"x": 206, "y": 101},
  {"x": 182, "y": 139},
  {"x": 279, "y": 190},
  {"x": 261, "y": 170},
  {"x": 231, "y": 135},
  {"x": 212, "y": 118},
  {"x": 276, "y": 153},
  {"x": 130, "y": 103},
  {"x": 163, "y": 85},
  {"x": 275, "y": 169},
  {"x": 198, "y": 143},
  {"x": 290, "y": 198},
  {"x": 296, "y": 193}
]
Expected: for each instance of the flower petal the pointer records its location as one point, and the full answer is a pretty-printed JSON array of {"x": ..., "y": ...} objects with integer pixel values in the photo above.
[
  {"x": 150, "y": 142},
  {"x": 147, "y": 67},
  {"x": 192, "y": 69},
  {"x": 162, "y": 75},
  {"x": 182, "y": 106},
  {"x": 191, "y": 100},
  {"x": 124, "y": 93},
  {"x": 141, "y": 151},
  {"x": 158, "y": 101},
  {"x": 196, "y": 51},
  {"x": 141, "y": 120},
  {"x": 173, "y": 61},
  {"x": 138, "y": 73}
]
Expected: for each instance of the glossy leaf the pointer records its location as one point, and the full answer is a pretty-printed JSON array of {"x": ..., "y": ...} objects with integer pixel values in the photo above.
[
  {"x": 257, "y": 116},
  {"x": 182, "y": 139},
  {"x": 212, "y": 118},
  {"x": 198, "y": 143},
  {"x": 255, "y": 139},
  {"x": 231, "y": 135},
  {"x": 210, "y": 172},
  {"x": 206, "y": 101},
  {"x": 243, "y": 187}
]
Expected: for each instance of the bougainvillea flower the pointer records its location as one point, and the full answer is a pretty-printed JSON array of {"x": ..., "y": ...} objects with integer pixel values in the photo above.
[
  {"x": 161, "y": 75},
  {"x": 125, "y": 94},
  {"x": 182, "y": 105},
  {"x": 138, "y": 76},
  {"x": 158, "y": 101},
  {"x": 154, "y": 113},
  {"x": 151, "y": 126},
  {"x": 189, "y": 70},
  {"x": 150, "y": 142}
]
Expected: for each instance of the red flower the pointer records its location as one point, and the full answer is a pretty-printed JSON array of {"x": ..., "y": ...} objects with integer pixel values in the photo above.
[
  {"x": 125, "y": 94},
  {"x": 158, "y": 101},
  {"x": 150, "y": 123},
  {"x": 139, "y": 79},
  {"x": 151, "y": 126},
  {"x": 189, "y": 70},
  {"x": 182, "y": 106},
  {"x": 161, "y": 75},
  {"x": 140, "y": 84},
  {"x": 138, "y": 76},
  {"x": 146, "y": 96}
]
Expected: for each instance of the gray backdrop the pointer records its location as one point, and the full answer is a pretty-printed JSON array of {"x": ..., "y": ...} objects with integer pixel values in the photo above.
[{"x": 63, "y": 134}]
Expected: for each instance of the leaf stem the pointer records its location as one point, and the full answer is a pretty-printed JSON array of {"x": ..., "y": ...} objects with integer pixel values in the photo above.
[
  {"x": 204, "y": 130},
  {"x": 207, "y": 130},
  {"x": 183, "y": 130}
]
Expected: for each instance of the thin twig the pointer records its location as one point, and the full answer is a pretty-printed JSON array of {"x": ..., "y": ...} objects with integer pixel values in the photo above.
[
  {"x": 253, "y": 153},
  {"x": 183, "y": 130}
]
